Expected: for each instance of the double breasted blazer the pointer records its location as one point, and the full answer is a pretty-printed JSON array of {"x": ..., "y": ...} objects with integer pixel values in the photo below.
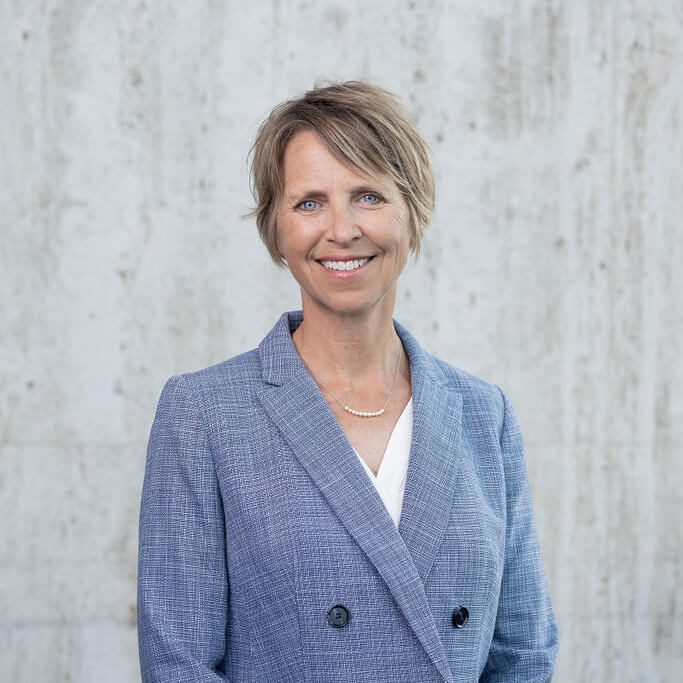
[{"x": 266, "y": 553}]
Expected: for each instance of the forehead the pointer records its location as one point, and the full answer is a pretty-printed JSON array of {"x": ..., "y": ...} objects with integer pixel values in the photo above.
[{"x": 307, "y": 160}]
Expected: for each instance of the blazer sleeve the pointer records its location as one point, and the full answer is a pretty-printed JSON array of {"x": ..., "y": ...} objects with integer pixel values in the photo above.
[
  {"x": 525, "y": 638},
  {"x": 182, "y": 574}
]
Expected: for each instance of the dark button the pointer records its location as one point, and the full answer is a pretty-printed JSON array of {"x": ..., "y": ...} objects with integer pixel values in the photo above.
[
  {"x": 460, "y": 616},
  {"x": 338, "y": 616}
]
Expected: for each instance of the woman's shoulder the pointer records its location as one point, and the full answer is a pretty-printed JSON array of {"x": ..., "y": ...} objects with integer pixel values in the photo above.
[
  {"x": 243, "y": 365},
  {"x": 478, "y": 394},
  {"x": 233, "y": 379}
]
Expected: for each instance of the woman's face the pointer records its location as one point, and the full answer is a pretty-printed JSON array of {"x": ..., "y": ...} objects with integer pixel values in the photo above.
[{"x": 345, "y": 236}]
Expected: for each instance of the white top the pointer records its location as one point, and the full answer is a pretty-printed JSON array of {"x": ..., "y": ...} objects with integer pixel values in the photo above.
[{"x": 390, "y": 481}]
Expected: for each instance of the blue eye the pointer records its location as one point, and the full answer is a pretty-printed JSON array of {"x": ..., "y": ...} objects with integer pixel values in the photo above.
[
  {"x": 308, "y": 204},
  {"x": 370, "y": 198}
]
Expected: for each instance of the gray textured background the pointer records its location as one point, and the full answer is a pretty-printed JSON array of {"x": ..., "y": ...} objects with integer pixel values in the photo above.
[{"x": 553, "y": 268}]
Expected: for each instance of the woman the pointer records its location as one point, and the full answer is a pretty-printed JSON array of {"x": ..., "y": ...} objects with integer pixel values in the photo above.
[{"x": 337, "y": 504}]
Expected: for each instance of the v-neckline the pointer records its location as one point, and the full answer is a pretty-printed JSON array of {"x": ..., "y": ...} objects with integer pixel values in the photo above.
[{"x": 376, "y": 477}]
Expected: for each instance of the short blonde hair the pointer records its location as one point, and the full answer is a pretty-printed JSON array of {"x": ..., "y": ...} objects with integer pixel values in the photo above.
[{"x": 366, "y": 128}]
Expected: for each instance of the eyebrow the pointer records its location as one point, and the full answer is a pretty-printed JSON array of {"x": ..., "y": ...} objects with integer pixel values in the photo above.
[{"x": 318, "y": 194}]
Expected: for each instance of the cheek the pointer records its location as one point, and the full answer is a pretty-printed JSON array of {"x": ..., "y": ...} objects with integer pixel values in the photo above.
[
  {"x": 401, "y": 222},
  {"x": 283, "y": 232}
]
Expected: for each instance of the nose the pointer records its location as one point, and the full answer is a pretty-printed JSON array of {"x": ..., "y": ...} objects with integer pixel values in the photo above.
[{"x": 342, "y": 227}]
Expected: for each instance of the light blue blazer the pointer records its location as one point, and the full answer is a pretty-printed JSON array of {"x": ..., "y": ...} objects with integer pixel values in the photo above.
[{"x": 258, "y": 518}]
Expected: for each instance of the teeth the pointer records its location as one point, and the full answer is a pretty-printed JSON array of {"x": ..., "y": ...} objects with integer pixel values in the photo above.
[{"x": 345, "y": 265}]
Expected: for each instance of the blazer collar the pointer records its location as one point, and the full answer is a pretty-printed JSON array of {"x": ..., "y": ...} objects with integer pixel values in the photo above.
[{"x": 403, "y": 556}]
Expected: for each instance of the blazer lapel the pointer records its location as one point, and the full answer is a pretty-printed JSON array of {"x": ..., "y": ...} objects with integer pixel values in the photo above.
[
  {"x": 434, "y": 457},
  {"x": 294, "y": 403}
]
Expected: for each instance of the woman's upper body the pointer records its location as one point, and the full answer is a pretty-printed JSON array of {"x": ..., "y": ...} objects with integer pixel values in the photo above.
[
  {"x": 258, "y": 518},
  {"x": 277, "y": 521}
]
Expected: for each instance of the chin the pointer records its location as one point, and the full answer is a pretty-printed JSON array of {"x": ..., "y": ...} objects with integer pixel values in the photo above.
[{"x": 348, "y": 309}]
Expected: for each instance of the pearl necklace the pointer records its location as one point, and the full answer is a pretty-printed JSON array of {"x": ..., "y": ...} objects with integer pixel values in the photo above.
[{"x": 360, "y": 413}]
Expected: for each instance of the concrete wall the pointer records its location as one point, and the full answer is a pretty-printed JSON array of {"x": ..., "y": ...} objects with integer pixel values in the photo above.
[{"x": 553, "y": 267}]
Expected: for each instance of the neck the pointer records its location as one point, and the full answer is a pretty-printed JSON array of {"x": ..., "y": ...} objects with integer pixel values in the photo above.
[{"x": 350, "y": 351}]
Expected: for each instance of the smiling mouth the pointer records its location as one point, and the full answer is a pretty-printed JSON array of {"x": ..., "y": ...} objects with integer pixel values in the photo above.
[{"x": 350, "y": 265}]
